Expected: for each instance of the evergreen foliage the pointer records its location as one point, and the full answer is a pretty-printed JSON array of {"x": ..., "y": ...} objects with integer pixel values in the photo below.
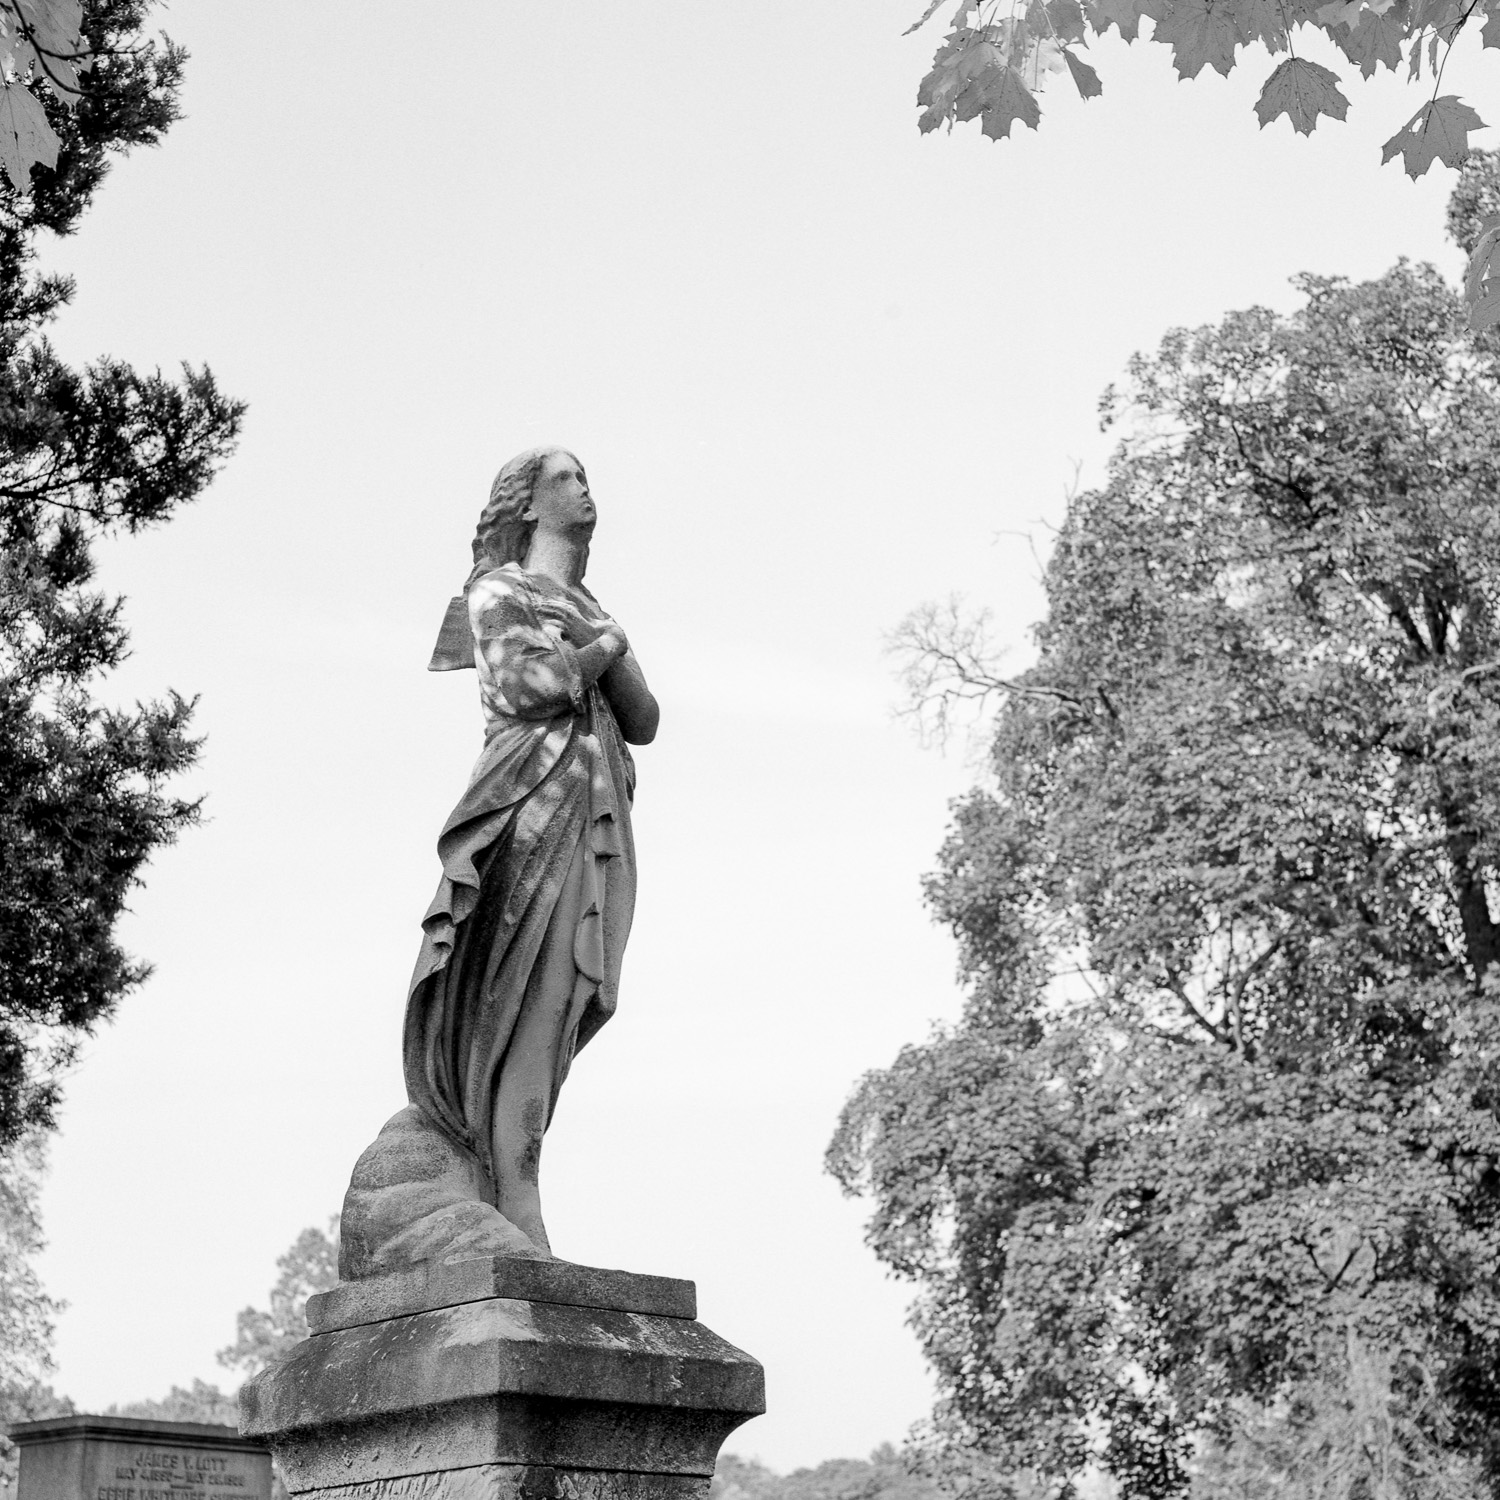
[
  {"x": 1223, "y": 1102},
  {"x": 83, "y": 453}
]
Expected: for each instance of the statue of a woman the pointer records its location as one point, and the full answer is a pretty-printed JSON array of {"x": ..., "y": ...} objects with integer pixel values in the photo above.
[{"x": 520, "y": 961}]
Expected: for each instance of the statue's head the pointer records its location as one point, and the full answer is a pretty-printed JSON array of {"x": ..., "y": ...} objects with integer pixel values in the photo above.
[{"x": 507, "y": 522}]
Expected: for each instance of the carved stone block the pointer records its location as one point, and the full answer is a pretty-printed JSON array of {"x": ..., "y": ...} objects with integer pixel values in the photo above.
[{"x": 494, "y": 1379}]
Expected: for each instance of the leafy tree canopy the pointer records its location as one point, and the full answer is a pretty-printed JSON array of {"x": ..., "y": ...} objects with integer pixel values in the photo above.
[
  {"x": 83, "y": 452},
  {"x": 1223, "y": 1103},
  {"x": 1360, "y": 1431},
  {"x": 26, "y": 1311},
  {"x": 200, "y": 1402},
  {"x": 882, "y": 1477},
  {"x": 27, "y": 1401}
]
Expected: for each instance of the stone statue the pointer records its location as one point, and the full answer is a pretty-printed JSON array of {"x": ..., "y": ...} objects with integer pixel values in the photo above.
[
  {"x": 458, "y": 1359},
  {"x": 520, "y": 958}
]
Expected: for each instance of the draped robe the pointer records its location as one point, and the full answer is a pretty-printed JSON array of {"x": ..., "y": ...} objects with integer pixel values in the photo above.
[{"x": 521, "y": 948}]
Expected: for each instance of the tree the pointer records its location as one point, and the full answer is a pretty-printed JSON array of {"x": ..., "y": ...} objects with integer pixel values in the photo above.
[
  {"x": 882, "y": 1477},
  {"x": 310, "y": 1264},
  {"x": 996, "y": 54},
  {"x": 26, "y": 1312},
  {"x": 29, "y": 1402},
  {"x": 201, "y": 1402},
  {"x": 83, "y": 453},
  {"x": 1357, "y": 1435},
  {"x": 1223, "y": 1102}
]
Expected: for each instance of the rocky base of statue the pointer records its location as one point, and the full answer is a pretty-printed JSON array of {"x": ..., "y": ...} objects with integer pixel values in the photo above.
[
  {"x": 417, "y": 1197},
  {"x": 503, "y": 1379}
]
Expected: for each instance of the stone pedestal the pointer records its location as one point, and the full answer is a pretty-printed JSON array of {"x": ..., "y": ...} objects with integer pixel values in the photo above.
[{"x": 503, "y": 1379}]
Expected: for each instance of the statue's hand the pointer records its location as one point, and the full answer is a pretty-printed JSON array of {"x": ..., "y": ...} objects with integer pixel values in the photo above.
[{"x": 580, "y": 632}]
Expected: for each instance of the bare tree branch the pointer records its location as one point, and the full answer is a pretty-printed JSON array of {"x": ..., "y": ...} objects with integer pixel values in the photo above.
[
  {"x": 947, "y": 669},
  {"x": 1235, "y": 995},
  {"x": 1175, "y": 985}
]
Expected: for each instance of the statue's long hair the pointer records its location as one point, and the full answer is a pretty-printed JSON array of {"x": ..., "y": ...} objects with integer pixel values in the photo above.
[{"x": 503, "y": 534}]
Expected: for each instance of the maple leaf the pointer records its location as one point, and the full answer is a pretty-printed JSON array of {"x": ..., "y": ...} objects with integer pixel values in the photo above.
[
  {"x": 1439, "y": 131},
  {"x": 1066, "y": 17},
  {"x": 924, "y": 18},
  {"x": 1375, "y": 39},
  {"x": 1490, "y": 35},
  {"x": 1262, "y": 21},
  {"x": 1486, "y": 309},
  {"x": 1126, "y": 14},
  {"x": 1007, "y": 99},
  {"x": 975, "y": 72},
  {"x": 1301, "y": 91},
  {"x": 937, "y": 93},
  {"x": 940, "y": 87},
  {"x": 982, "y": 68},
  {"x": 1339, "y": 13},
  {"x": 1084, "y": 77},
  {"x": 1199, "y": 32},
  {"x": 25, "y": 136},
  {"x": 983, "y": 57},
  {"x": 960, "y": 16},
  {"x": 1045, "y": 57},
  {"x": 49, "y": 28},
  {"x": 1436, "y": 15},
  {"x": 1482, "y": 284}
]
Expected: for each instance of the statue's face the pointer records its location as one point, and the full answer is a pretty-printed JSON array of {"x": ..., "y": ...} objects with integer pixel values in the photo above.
[{"x": 560, "y": 499}]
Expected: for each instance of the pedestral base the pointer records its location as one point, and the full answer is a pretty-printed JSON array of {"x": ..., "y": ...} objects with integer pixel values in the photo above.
[
  {"x": 502, "y": 1379},
  {"x": 525, "y": 1482}
]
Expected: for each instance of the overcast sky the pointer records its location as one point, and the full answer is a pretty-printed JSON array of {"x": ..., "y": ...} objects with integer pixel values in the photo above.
[{"x": 820, "y": 369}]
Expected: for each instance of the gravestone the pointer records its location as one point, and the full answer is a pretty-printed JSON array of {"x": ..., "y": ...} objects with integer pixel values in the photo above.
[{"x": 128, "y": 1458}]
